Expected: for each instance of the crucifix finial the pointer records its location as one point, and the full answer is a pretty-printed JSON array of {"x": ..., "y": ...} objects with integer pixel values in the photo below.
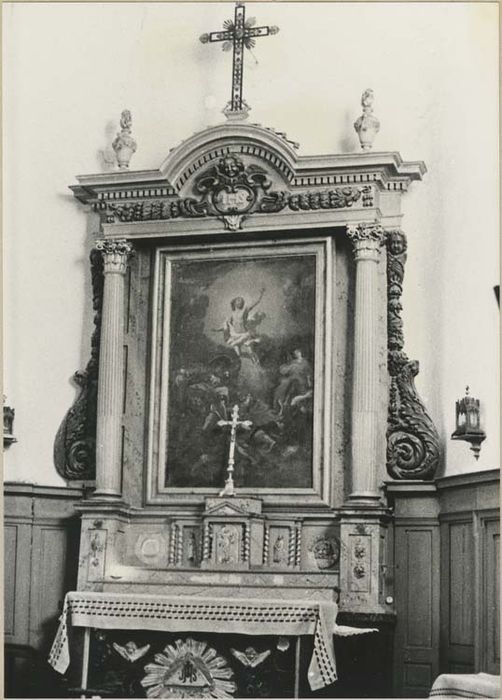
[{"x": 239, "y": 34}]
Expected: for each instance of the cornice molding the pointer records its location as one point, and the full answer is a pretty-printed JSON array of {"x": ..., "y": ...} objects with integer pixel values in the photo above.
[
  {"x": 19, "y": 488},
  {"x": 252, "y": 143},
  {"x": 468, "y": 479}
]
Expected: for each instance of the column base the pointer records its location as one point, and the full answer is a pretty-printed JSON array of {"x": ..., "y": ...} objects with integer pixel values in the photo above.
[
  {"x": 365, "y": 498},
  {"x": 106, "y": 495}
]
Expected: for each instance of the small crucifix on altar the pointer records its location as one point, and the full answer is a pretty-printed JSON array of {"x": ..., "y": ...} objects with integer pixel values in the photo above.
[
  {"x": 238, "y": 34},
  {"x": 233, "y": 424}
]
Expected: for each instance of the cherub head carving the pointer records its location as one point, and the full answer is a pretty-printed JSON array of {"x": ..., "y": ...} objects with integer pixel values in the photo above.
[
  {"x": 231, "y": 166},
  {"x": 397, "y": 242}
]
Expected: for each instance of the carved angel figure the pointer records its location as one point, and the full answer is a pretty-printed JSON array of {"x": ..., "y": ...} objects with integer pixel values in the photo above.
[
  {"x": 250, "y": 657},
  {"x": 130, "y": 651}
]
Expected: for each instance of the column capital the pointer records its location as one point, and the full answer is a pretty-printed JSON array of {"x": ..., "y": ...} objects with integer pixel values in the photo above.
[
  {"x": 115, "y": 254},
  {"x": 367, "y": 239}
]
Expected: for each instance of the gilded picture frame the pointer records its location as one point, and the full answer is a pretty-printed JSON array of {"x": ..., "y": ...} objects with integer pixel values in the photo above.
[{"x": 246, "y": 325}]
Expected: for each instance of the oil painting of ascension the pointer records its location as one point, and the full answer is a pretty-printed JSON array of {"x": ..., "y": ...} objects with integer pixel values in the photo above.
[{"x": 242, "y": 333}]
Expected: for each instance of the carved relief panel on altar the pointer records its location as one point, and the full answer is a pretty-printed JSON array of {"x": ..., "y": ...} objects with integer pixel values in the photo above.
[{"x": 245, "y": 326}]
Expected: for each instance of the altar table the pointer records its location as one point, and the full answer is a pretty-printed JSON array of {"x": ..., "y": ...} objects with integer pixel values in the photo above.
[{"x": 195, "y": 614}]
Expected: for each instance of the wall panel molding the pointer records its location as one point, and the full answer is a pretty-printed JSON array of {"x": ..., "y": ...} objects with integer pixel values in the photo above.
[
  {"x": 487, "y": 529},
  {"x": 416, "y": 588},
  {"x": 41, "y": 530},
  {"x": 447, "y": 579},
  {"x": 470, "y": 526},
  {"x": 417, "y": 605}
]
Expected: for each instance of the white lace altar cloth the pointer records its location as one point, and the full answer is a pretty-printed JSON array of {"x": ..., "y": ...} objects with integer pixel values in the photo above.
[
  {"x": 189, "y": 614},
  {"x": 458, "y": 686}
]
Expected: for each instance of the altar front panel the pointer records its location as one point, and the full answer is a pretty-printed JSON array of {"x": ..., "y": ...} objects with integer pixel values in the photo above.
[{"x": 114, "y": 676}]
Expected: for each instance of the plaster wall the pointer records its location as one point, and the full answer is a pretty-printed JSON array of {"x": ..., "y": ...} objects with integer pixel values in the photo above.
[{"x": 69, "y": 70}]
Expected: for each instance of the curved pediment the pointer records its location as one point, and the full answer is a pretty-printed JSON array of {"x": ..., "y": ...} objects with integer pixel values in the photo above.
[{"x": 206, "y": 147}]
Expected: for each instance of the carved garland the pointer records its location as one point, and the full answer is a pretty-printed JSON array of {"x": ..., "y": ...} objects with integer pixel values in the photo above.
[
  {"x": 230, "y": 190},
  {"x": 413, "y": 450},
  {"x": 272, "y": 203},
  {"x": 75, "y": 442}
]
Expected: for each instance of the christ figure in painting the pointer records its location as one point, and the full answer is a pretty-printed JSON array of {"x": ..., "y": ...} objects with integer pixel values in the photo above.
[{"x": 239, "y": 328}]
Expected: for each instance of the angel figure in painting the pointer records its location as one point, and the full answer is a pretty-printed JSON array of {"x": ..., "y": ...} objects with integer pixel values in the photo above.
[{"x": 239, "y": 329}]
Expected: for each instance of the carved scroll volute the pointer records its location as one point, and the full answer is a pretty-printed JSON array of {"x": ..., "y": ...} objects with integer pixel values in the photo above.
[
  {"x": 413, "y": 450},
  {"x": 75, "y": 442}
]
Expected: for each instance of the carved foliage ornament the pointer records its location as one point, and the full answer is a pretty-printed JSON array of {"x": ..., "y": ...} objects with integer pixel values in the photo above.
[
  {"x": 75, "y": 443},
  {"x": 270, "y": 203},
  {"x": 326, "y": 551},
  {"x": 412, "y": 440},
  {"x": 115, "y": 254},
  {"x": 189, "y": 669},
  {"x": 155, "y": 210},
  {"x": 97, "y": 546},
  {"x": 338, "y": 198},
  {"x": 366, "y": 232},
  {"x": 230, "y": 187},
  {"x": 232, "y": 190}
]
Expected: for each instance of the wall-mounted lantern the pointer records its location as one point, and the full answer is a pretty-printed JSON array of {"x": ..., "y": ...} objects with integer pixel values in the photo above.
[
  {"x": 8, "y": 425},
  {"x": 468, "y": 423}
]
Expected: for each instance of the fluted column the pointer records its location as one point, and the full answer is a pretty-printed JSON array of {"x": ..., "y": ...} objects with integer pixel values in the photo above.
[
  {"x": 111, "y": 360},
  {"x": 367, "y": 240}
]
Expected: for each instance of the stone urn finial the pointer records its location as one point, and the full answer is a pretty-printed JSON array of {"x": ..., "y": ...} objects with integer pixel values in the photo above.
[
  {"x": 124, "y": 145},
  {"x": 367, "y": 126}
]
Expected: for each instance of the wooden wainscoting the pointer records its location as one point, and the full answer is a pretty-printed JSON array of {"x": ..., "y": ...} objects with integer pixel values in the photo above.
[
  {"x": 446, "y": 579},
  {"x": 470, "y": 574},
  {"x": 489, "y": 646},
  {"x": 458, "y": 593},
  {"x": 416, "y": 587},
  {"x": 41, "y": 538}
]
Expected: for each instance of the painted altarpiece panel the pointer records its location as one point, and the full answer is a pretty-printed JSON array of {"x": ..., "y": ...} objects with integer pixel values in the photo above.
[{"x": 241, "y": 325}]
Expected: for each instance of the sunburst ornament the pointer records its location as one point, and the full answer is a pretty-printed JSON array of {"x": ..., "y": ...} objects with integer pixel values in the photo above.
[{"x": 189, "y": 669}]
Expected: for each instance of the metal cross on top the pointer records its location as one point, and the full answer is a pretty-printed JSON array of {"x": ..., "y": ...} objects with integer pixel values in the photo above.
[{"x": 240, "y": 33}]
